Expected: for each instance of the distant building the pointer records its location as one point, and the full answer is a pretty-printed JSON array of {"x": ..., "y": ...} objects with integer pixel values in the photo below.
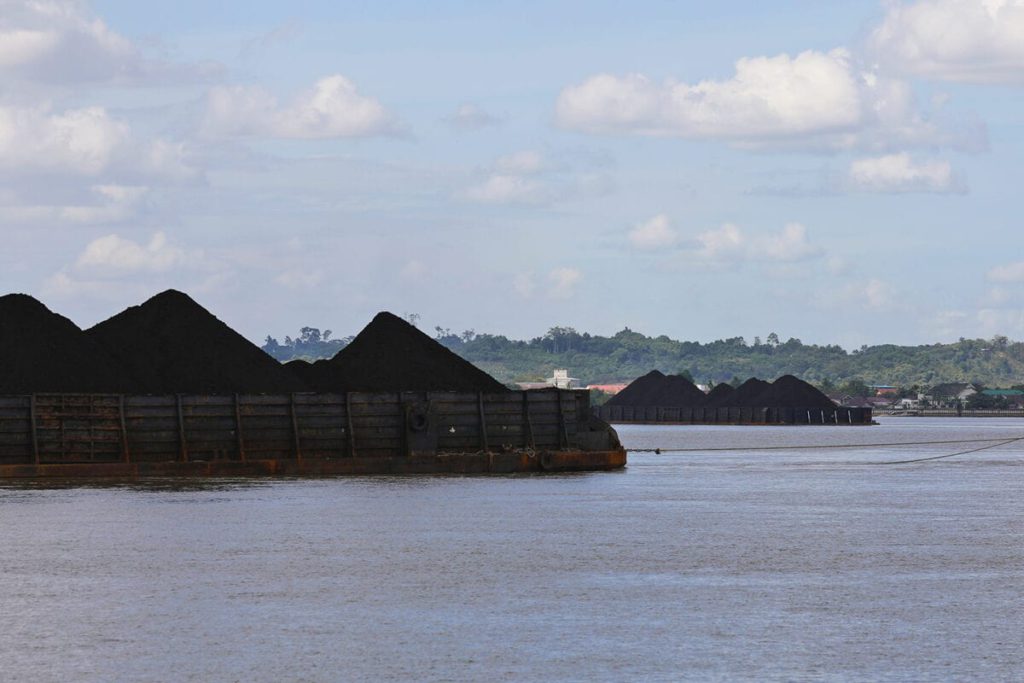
[
  {"x": 878, "y": 402},
  {"x": 1014, "y": 398},
  {"x": 562, "y": 380},
  {"x": 1013, "y": 394},
  {"x": 851, "y": 401},
  {"x": 950, "y": 393},
  {"x": 884, "y": 389}
]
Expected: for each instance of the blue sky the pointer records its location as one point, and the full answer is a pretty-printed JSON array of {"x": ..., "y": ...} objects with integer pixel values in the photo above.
[{"x": 840, "y": 172}]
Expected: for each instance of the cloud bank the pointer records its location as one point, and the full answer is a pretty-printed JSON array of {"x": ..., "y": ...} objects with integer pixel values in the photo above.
[
  {"x": 813, "y": 100},
  {"x": 970, "y": 41},
  {"x": 898, "y": 173},
  {"x": 333, "y": 108}
]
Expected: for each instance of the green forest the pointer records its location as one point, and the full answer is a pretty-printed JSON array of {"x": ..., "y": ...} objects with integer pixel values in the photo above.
[{"x": 626, "y": 355}]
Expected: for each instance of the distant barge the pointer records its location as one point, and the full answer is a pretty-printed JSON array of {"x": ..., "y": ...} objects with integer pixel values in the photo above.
[
  {"x": 303, "y": 434},
  {"x": 734, "y": 415}
]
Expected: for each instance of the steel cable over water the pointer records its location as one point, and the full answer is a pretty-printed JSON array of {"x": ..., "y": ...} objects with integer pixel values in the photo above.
[{"x": 742, "y": 449}]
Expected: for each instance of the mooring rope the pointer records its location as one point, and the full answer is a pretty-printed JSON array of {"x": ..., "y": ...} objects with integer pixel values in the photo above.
[
  {"x": 951, "y": 455},
  {"x": 742, "y": 449}
]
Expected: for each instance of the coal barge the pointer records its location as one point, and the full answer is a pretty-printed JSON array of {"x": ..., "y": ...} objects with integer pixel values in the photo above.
[
  {"x": 167, "y": 389},
  {"x": 656, "y": 398}
]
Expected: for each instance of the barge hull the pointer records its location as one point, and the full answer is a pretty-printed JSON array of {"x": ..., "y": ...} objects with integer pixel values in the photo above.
[
  {"x": 447, "y": 463},
  {"x": 101, "y": 435}
]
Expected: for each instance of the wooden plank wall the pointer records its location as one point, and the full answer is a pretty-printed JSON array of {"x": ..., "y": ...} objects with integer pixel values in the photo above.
[{"x": 67, "y": 428}]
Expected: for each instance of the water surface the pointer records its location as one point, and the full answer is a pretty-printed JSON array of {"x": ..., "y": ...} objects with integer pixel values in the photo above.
[{"x": 803, "y": 564}]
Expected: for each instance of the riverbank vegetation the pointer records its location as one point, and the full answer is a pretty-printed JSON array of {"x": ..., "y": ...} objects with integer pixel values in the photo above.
[{"x": 626, "y": 355}]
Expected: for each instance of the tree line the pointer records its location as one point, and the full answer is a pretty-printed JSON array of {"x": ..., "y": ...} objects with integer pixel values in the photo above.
[{"x": 626, "y": 355}]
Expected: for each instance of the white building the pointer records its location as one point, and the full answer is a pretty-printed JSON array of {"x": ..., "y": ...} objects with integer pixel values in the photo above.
[{"x": 562, "y": 380}]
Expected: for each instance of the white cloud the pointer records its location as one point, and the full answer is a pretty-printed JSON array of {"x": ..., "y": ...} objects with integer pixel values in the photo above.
[
  {"x": 768, "y": 96},
  {"x": 333, "y": 108},
  {"x": 997, "y": 296},
  {"x": 78, "y": 140},
  {"x": 563, "y": 282},
  {"x": 655, "y": 233},
  {"x": 790, "y": 245},
  {"x": 300, "y": 278},
  {"x": 116, "y": 203},
  {"x": 507, "y": 189},
  {"x": 815, "y": 99},
  {"x": 1008, "y": 321},
  {"x": 974, "y": 41},
  {"x": 111, "y": 265},
  {"x": 526, "y": 162},
  {"x": 728, "y": 244},
  {"x": 724, "y": 243},
  {"x": 110, "y": 204},
  {"x": 876, "y": 294},
  {"x": 19, "y": 46},
  {"x": 513, "y": 180},
  {"x": 900, "y": 173},
  {"x": 62, "y": 285},
  {"x": 115, "y": 253},
  {"x": 872, "y": 295},
  {"x": 1010, "y": 272},
  {"x": 59, "y": 41},
  {"x": 985, "y": 322},
  {"x": 166, "y": 159},
  {"x": 524, "y": 285},
  {"x": 415, "y": 271},
  {"x": 86, "y": 141},
  {"x": 837, "y": 265},
  {"x": 529, "y": 177},
  {"x": 471, "y": 117}
]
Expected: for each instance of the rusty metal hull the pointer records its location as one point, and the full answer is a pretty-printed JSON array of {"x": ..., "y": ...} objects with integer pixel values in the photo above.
[
  {"x": 102, "y": 435},
  {"x": 440, "y": 463}
]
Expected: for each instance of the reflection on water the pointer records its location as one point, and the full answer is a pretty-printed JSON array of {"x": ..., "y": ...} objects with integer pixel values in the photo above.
[{"x": 729, "y": 565}]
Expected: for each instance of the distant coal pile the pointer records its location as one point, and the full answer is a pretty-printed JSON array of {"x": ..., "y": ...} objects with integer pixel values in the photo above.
[
  {"x": 790, "y": 392},
  {"x": 170, "y": 344},
  {"x": 657, "y": 389},
  {"x": 42, "y": 352},
  {"x": 392, "y": 355},
  {"x": 718, "y": 395},
  {"x": 673, "y": 391},
  {"x": 746, "y": 394}
]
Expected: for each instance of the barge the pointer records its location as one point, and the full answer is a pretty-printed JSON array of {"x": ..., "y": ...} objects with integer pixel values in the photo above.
[
  {"x": 773, "y": 415},
  {"x": 72, "y": 436}
]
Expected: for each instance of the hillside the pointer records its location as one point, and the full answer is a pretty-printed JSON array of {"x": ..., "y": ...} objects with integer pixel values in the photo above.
[{"x": 628, "y": 355}]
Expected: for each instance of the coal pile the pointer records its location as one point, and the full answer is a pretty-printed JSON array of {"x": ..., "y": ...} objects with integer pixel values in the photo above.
[
  {"x": 718, "y": 395},
  {"x": 392, "y": 355},
  {"x": 42, "y": 352},
  {"x": 746, "y": 395},
  {"x": 170, "y": 344},
  {"x": 657, "y": 389},
  {"x": 790, "y": 392},
  {"x": 305, "y": 371}
]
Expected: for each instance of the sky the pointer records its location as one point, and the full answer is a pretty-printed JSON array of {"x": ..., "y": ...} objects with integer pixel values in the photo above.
[{"x": 839, "y": 172}]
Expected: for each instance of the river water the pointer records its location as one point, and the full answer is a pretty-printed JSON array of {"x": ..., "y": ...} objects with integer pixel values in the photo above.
[{"x": 802, "y": 564}]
